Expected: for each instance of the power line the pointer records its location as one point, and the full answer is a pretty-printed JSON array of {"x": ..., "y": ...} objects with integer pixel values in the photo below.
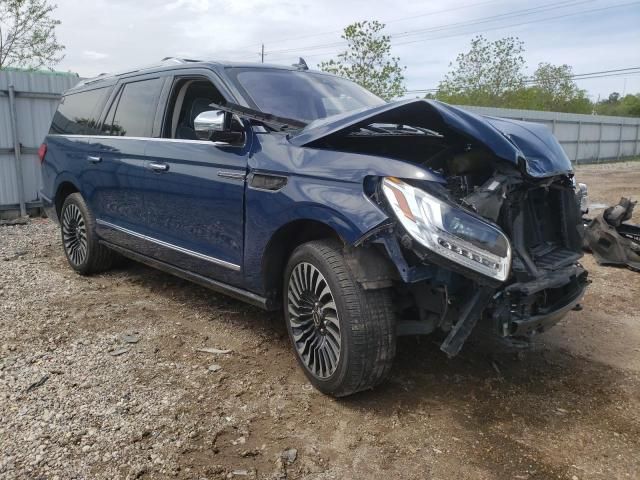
[
  {"x": 386, "y": 22},
  {"x": 579, "y": 76},
  {"x": 435, "y": 90},
  {"x": 517, "y": 13},
  {"x": 607, "y": 71},
  {"x": 556, "y": 17},
  {"x": 610, "y": 75},
  {"x": 490, "y": 18},
  {"x": 439, "y": 37}
]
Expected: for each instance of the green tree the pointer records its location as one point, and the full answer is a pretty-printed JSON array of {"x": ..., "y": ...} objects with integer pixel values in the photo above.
[
  {"x": 368, "y": 61},
  {"x": 627, "y": 106},
  {"x": 492, "y": 74},
  {"x": 555, "y": 90},
  {"x": 631, "y": 105},
  {"x": 485, "y": 74},
  {"x": 27, "y": 34}
]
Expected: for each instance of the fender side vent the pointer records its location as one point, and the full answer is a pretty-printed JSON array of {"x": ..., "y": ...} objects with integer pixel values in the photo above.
[{"x": 264, "y": 181}]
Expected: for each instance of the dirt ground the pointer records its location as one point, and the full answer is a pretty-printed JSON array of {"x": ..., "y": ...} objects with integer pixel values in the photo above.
[{"x": 100, "y": 377}]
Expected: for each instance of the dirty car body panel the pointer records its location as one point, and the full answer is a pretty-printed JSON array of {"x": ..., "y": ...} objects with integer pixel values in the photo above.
[{"x": 471, "y": 221}]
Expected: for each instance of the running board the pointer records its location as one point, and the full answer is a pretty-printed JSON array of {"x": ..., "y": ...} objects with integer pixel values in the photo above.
[{"x": 220, "y": 287}]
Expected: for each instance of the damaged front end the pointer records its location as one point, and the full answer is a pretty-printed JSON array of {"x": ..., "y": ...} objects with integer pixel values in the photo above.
[
  {"x": 494, "y": 243},
  {"x": 505, "y": 252}
]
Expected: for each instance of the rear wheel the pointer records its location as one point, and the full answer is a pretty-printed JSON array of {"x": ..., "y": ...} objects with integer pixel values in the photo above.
[
  {"x": 81, "y": 246},
  {"x": 343, "y": 335}
]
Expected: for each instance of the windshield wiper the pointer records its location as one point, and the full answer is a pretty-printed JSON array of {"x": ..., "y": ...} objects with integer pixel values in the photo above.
[{"x": 272, "y": 121}]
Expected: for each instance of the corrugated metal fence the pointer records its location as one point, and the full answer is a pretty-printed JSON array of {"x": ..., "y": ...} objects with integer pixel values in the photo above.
[
  {"x": 28, "y": 101},
  {"x": 585, "y": 138}
]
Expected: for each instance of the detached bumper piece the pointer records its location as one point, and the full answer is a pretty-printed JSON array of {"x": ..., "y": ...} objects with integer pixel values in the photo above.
[
  {"x": 526, "y": 309},
  {"x": 612, "y": 241}
]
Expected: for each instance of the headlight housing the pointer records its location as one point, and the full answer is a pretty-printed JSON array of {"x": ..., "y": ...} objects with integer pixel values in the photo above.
[{"x": 449, "y": 231}]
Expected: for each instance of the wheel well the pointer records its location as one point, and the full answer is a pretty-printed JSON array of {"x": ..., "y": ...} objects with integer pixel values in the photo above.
[
  {"x": 64, "y": 190},
  {"x": 282, "y": 245}
]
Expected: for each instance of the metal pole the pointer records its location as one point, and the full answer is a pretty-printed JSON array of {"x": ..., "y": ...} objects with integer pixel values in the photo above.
[
  {"x": 13, "y": 118},
  {"x": 578, "y": 142},
  {"x": 635, "y": 150},
  {"x": 599, "y": 143},
  {"x": 262, "y": 54},
  {"x": 620, "y": 141}
]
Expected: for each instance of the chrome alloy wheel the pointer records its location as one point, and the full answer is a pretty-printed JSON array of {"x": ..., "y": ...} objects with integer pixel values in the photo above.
[
  {"x": 315, "y": 325},
  {"x": 74, "y": 234}
]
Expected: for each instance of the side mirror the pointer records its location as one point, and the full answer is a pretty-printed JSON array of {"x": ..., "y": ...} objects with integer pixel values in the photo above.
[{"x": 208, "y": 123}]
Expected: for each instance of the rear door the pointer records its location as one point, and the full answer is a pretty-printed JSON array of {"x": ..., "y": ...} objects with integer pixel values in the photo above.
[
  {"x": 76, "y": 117},
  {"x": 117, "y": 159},
  {"x": 195, "y": 194}
]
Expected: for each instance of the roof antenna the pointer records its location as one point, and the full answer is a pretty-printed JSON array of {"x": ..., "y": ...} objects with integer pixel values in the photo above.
[{"x": 301, "y": 65}]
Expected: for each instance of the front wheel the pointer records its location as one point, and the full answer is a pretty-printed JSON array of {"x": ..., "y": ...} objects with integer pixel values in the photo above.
[{"x": 343, "y": 335}]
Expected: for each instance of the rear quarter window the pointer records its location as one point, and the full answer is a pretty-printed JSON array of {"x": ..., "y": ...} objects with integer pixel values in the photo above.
[{"x": 79, "y": 113}]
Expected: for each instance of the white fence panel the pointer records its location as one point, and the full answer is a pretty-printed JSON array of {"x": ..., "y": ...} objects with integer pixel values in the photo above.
[
  {"x": 34, "y": 100},
  {"x": 585, "y": 138}
]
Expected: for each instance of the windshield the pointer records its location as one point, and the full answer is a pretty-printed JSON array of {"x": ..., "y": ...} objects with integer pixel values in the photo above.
[{"x": 301, "y": 95}]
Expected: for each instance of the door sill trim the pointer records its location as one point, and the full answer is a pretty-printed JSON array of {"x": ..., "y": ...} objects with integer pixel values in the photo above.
[
  {"x": 201, "y": 256},
  {"x": 207, "y": 282}
]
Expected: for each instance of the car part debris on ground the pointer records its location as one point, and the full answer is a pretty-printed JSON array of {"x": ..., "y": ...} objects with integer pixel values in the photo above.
[{"x": 611, "y": 239}]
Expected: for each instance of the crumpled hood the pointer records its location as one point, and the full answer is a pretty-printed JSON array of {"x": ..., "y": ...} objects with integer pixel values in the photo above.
[{"x": 514, "y": 141}]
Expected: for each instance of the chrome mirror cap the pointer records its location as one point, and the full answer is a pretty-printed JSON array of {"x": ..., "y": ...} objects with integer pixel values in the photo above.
[{"x": 209, "y": 122}]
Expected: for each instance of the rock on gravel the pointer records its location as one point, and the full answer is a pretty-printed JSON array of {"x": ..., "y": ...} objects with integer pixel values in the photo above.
[
  {"x": 119, "y": 351},
  {"x": 215, "y": 351},
  {"x": 132, "y": 338},
  {"x": 289, "y": 456}
]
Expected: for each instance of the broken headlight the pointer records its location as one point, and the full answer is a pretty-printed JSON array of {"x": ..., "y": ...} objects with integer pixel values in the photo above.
[{"x": 449, "y": 231}]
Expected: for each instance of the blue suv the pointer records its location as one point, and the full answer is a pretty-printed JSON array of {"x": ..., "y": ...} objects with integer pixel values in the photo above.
[{"x": 297, "y": 190}]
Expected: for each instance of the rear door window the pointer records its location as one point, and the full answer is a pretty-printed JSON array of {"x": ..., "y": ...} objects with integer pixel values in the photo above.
[
  {"x": 136, "y": 109},
  {"x": 79, "y": 113}
]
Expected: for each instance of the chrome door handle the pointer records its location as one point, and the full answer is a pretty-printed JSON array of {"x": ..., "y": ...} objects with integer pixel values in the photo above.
[
  {"x": 159, "y": 167},
  {"x": 93, "y": 159},
  {"x": 234, "y": 175}
]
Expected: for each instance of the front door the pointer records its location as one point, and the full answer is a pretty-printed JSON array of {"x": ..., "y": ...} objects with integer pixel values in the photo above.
[{"x": 194, "y": 199}]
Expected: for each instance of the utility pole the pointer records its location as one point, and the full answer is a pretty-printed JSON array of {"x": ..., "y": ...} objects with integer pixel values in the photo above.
[{"x": 262, "y": 54}]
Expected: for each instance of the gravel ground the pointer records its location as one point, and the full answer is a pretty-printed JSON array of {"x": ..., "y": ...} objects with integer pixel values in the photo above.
[{"x": 102, "y": 377}]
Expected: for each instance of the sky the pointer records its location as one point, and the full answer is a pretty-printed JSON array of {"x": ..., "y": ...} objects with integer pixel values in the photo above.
[{"x": 590, "y": 35}]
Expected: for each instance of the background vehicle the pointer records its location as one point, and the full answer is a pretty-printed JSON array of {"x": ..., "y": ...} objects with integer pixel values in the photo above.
[{"x": 293, "y": 189}]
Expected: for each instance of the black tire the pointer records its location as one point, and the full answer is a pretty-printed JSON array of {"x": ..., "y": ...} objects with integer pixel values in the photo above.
[
  {"x": 365, "y": 321},
  {"x": 79, "y": 240}
]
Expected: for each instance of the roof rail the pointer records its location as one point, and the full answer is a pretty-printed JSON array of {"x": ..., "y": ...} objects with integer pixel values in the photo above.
[
  {"x": 178, "y": 60},
  {"x": 165, "y": 61},
  {"x": 88, "y": 81}
]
